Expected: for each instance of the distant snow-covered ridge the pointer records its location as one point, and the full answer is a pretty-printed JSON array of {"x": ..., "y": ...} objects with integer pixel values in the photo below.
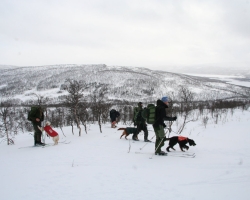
[{"x": 123, "y": 83}]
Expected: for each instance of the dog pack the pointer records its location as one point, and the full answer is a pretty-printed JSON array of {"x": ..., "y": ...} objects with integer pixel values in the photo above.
[{"x": 148, "y": 113}]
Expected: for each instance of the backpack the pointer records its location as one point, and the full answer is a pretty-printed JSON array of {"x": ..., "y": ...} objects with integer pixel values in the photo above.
[
  {"x": 148, "y": 113},
  {"x": 117, "y": 114},
  {"x": 32, "y": 112},
  {"x": 112, "y": 113}
]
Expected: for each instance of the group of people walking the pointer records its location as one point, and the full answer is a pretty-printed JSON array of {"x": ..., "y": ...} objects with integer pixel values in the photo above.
[
  {"x": 36, "y": 116},
  {"x": 158, "y": 126}
]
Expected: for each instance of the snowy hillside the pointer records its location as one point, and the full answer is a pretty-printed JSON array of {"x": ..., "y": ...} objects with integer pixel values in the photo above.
[
  {"x": 123, "y": 83},
  {"x": 102, "y": 166}
]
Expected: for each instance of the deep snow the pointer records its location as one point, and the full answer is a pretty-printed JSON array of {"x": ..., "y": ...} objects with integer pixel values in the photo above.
[{"x": 100, "y": 165}]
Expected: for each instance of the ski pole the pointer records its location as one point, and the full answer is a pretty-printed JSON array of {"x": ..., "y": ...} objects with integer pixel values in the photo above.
[
  {"x": 157, "y": 148},
  {"x": 129, "y": 146},
  {"x": 44, "y": 135},
  {"x": 147, "y": 143},
  {"x": 162, "y": 139},
  {"x": 169, "y": 130}
]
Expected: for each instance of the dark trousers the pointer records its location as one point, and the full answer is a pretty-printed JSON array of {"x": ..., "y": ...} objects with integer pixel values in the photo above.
[
  {"x": 37, "y": 132},
  {"x": 142, "y": 127}
]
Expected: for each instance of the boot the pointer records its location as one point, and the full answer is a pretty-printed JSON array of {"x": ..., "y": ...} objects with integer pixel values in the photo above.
[
  {"x": 37, "y": 138},
  {"x": 42, "y": 144},
  {"x": 135, "y": 137},
  {"x": 38, "y": 143},
  {"x": 146, "y": 140},
  {"x": 161, "y": 153},
  {"x": 160, "y": 143}
]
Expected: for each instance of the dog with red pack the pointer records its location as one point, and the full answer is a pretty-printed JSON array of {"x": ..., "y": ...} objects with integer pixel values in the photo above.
[
  {"x": 182, "y": 141},
  {"x": 51, "y": 132}
]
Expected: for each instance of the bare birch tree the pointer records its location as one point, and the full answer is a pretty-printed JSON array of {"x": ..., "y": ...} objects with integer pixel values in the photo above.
[
  {"x": 73, "y": 100},
  {"x": 6, "y": 121},
  {"x": 186, "y": 97},
  {"x": 98, "y": 106}
]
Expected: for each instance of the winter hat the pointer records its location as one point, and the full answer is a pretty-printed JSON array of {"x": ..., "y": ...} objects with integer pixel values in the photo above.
[
  {"x": 140, "y": 104},
  {"x": 164, "y": 99},
  {"x": 47, "y": 123}
]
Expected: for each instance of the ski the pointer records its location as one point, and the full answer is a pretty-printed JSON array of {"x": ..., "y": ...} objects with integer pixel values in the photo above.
[
  {"x": 182, "y": 155},
  {"x": 134, "y": 141},
  {"x": 52, "y": 144},
  {"x": 46, "y": 145},
  {"x": 176, "y": 155},
  {"x": 137, "y": 152},
  {"x": 65, "y": 142},
  {"x": 34, "y": 146},
  {"x": 62, "y": 141},
  {"x": 26, "y": 147}
]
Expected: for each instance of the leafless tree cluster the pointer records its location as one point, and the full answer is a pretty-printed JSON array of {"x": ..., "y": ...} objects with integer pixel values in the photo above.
[
  {"x": 100, "y": 109},
  {"x": 81, "y": 111},
  {"x": 10, "y": 122}
]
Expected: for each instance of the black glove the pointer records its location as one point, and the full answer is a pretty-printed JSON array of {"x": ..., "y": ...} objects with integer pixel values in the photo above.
[
  {"x": 164, "y": 125},
  {"x": 170, "y": 118}
]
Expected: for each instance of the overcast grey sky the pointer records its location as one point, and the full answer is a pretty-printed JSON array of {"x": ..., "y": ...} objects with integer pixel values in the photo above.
[{"x": 140, "y": 33}]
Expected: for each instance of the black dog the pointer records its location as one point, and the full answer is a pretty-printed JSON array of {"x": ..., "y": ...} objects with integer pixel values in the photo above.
[{"x": 182, "y": 141}]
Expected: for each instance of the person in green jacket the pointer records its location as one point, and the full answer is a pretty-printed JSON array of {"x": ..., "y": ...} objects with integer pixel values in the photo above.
[
  {"x": 140, "y": 123},
  {"x": 36, "y": 117}
]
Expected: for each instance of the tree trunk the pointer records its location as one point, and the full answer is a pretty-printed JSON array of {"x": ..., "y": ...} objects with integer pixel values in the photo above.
[{"x": 6, "y": 131}]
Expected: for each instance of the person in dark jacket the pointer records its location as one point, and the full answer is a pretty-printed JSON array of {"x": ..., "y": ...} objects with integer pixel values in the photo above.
[
  {"x": 159, "y": 125},
  {"x": 140, "y": 123},
  {"x": 37, "y": 117},
  {"x": 113, "y": 117}
]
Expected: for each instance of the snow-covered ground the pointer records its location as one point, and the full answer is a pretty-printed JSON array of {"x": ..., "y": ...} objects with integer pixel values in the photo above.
[{"x": 103, "y": 166}]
